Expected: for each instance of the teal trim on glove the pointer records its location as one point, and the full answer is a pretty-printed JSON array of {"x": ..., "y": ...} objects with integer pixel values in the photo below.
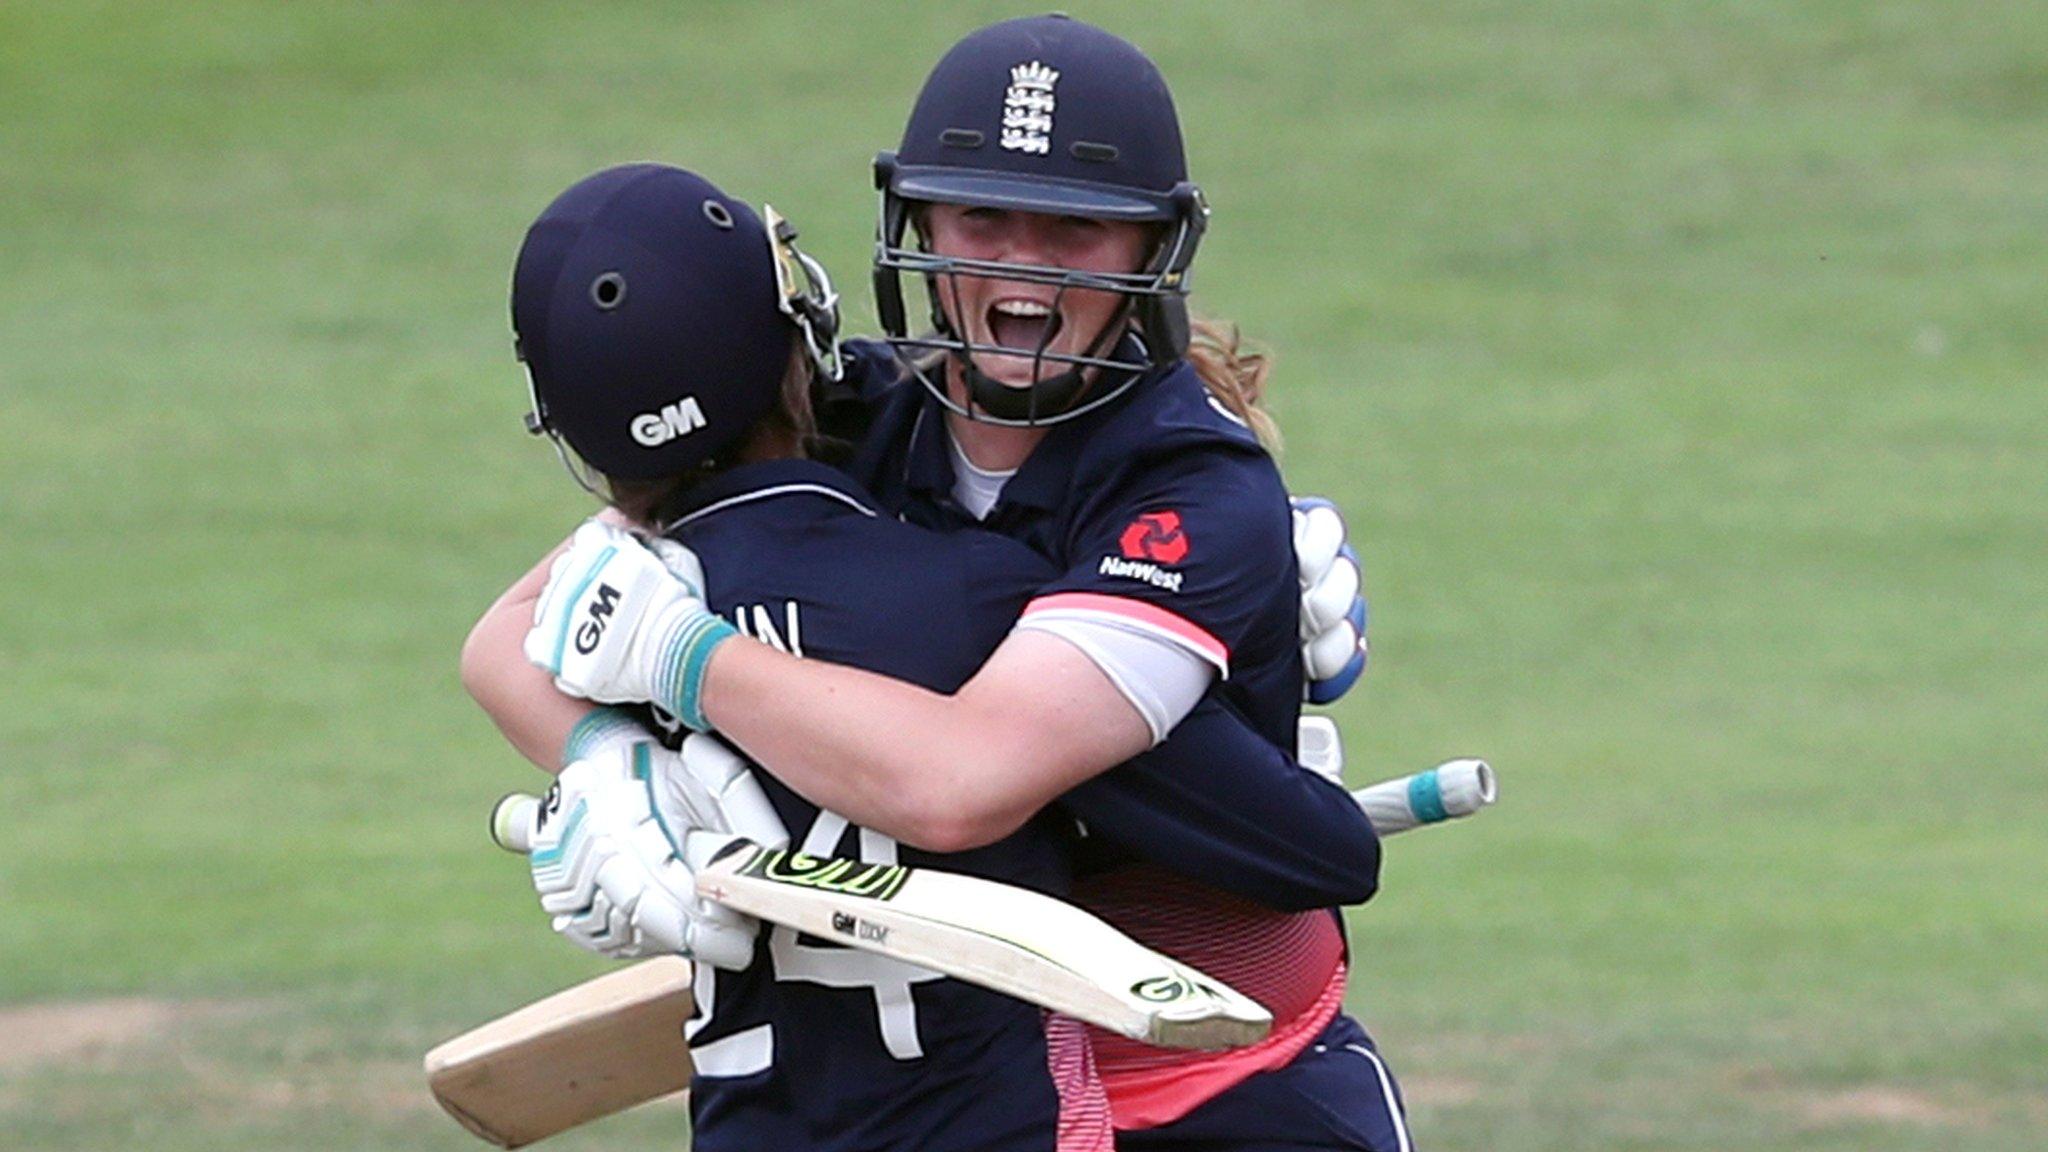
[
  {"x": 682, "y": 684},
  {"x": 599, "y": 726}
]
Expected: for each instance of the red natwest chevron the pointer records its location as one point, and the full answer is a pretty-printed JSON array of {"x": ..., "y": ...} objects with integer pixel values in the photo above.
[{"x": 1155, "y": 536}]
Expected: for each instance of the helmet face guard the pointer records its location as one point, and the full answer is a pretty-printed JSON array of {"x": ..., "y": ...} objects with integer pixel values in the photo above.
[
  {"x": 1154, "y": 309},
  {"x": 805, "y": 295},
  {"x": 1053, "y": 116}
]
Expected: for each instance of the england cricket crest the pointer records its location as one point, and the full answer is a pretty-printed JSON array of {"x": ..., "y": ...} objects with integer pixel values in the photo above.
[{"x": 1028, "y": 108}]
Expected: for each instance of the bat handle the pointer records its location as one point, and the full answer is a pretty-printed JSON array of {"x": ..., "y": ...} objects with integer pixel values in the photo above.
[
  {"x": 1452, "y": 789},
  {"x": 1466, "y": 786},
  {"x": 512, "y": 822}
]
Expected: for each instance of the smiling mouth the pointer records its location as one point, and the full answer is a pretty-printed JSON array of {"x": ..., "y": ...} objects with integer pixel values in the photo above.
[{"x": 1028, "y": 324}]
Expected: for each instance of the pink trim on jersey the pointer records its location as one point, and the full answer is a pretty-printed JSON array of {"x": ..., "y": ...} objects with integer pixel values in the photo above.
[
  {"x": 1150, "y": 617},
  {"x": 1150, "y": 1097},
  {"x": 1084, "y": 1124},
  {"x": 1291, "y": 962}
]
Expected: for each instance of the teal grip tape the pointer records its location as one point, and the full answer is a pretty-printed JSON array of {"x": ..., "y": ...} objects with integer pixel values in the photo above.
[{"x": 1426, "y": 798}]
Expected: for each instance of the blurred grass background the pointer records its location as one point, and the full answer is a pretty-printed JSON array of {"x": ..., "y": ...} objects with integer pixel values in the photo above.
[{"x": 1679, "y": 367}]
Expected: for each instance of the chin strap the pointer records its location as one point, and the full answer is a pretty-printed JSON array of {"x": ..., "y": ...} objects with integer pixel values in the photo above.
[{"x": 1050, "y": 398}]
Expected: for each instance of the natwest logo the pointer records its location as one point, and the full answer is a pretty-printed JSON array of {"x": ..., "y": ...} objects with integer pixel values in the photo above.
[
  {"x": 1143, "y": 570},
  {"x": 653, "y": 429},
  {"x": 1155, "y": 536}
]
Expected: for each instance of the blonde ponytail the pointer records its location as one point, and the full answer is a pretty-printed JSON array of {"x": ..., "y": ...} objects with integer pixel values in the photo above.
[{"x": 1235, "y": 375}]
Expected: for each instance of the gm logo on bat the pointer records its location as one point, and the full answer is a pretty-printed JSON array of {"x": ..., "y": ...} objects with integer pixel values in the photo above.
[
  {"x": 848, "y": 877},
  {"x": 850, "y": 925},
  {"x": 1163, "y": 989},
  {"x": 601, "y": 608}
]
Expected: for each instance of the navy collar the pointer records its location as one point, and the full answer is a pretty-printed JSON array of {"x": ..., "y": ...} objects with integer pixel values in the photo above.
[
  {"x": 928, "y": 465},
  {"x": 767, "y": 479}
]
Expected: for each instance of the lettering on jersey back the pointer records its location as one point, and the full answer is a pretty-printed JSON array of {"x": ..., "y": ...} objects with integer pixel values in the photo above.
[{"x": 756, "y": 621}]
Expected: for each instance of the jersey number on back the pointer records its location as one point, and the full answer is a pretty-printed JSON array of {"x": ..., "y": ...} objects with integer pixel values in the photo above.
[{"x": 841, "y": 967}]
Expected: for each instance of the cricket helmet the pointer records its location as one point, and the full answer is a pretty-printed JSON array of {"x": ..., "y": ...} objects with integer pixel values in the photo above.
[
  {"x": 1052, "y": 115},
  {"x": 655, "y": 315}
]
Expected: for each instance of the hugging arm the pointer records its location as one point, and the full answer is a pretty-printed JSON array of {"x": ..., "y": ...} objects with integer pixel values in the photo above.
[
  {"x": 944, "y": 773},
  {"x": 542, "y": 723},
  {"x": 1219, "y": 804},
  {"x": 520, "y": 699}
]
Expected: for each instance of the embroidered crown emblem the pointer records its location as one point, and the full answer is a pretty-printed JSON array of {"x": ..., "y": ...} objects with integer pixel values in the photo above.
[{"x": 1028, "y": 108}]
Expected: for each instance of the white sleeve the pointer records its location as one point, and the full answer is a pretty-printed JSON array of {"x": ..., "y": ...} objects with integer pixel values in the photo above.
[{"x": 1163, "y": 679}]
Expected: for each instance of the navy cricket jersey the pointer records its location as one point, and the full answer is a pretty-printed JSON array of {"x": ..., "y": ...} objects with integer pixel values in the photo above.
[
  {"x": 1222, "y": 801},
  {"x": 1160, "y": 509},
  {"x": 1162, "y": 513},
  {"x": 818, "y": 1046}
]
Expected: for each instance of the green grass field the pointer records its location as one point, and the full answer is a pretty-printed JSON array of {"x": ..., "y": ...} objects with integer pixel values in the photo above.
[{"x": 1679, "y": 366}]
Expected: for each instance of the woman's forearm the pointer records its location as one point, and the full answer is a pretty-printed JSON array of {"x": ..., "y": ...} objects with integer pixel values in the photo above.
[
  {"x": 942, "y": 773},
  {"x": 519, "y": 698},
  {"x": 534, "y": 716}
]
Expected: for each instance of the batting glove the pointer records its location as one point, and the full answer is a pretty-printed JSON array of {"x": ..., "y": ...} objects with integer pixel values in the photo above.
[
  {"x": 709, "y": 788},
  {"x": 1333, "y": 608},
  {"x": 601, "y": 730},
  {"x": 617, "y": 876},
  {"x": 618, "y": 623},
  {"x": 1319, "y": 747}
]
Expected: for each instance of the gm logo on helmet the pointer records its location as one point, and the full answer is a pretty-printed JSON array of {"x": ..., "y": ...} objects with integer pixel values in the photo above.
[{"x": 674, "y": 421}]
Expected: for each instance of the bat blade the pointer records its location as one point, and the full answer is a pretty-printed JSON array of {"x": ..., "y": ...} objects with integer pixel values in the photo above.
[
  {"x": 600, "y": 1047},
  {"x": 998, "y": 936}
]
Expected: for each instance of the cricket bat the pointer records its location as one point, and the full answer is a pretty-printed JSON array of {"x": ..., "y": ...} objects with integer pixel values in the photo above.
[
  {"x": 1452, "y": 789},
  {"x": 998, "y": 936},
  {"x": 581, "y": 1054},
  {"x": 614, "y": 1042}
]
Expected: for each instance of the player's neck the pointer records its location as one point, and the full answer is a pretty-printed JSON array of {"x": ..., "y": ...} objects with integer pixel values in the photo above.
[
  {"x": 772, "y": 441},
  {"x": 992, "y": 447},
  {"x": 989, "y": 447}
]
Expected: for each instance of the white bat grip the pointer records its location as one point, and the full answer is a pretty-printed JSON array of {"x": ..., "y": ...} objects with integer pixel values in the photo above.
[
  {"x": 512, "y": 822},
  {"x": 1452, "y": 789}
]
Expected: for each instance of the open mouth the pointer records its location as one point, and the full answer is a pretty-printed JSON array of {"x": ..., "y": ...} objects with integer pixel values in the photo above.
[{"x": 1021, "y": 323}]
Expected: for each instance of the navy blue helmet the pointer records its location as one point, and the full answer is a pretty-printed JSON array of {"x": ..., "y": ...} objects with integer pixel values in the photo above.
[
  {"x": 655, "y": 315},
  {"x": 1044, "y": 114}
]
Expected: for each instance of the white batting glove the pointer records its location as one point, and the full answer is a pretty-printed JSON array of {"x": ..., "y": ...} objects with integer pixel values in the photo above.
[
  {"x": 711, "y": 789},
  {"x": 1333, "y": 607},
  {"x": 618, "y": 623},
  {"x": 1319, "y": 747},
  {"x": 601, "y": 730},
  {"x": 617, "y": 877}
]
